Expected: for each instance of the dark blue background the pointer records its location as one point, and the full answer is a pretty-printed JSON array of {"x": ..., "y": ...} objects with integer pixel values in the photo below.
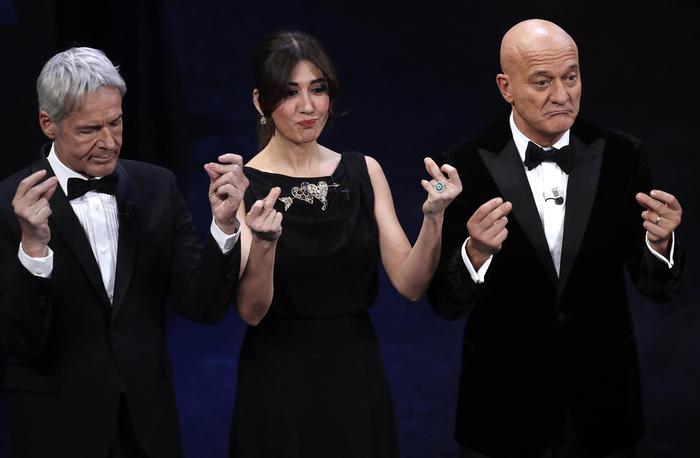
[{"x": 414, "y": 80}]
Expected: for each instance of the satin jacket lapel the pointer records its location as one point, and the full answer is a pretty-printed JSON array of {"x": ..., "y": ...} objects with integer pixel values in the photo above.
[
  {"x": 128, "y": 238},
  {"x": 581, "y": 190},
  {"x": 65, "y": 223},
  {"x": 507, "y": 171}
]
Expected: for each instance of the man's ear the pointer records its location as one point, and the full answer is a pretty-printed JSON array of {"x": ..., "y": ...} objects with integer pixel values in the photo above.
[
  {"x": 47, "y": 125},
  {"x": 503, "y": 83}
]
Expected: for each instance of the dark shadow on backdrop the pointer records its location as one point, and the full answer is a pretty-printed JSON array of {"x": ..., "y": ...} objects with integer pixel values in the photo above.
[{"x": 130, "y": 33}]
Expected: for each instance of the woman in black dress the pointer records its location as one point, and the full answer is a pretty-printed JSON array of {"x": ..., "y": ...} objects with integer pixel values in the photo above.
[{"x": 310, "y": 379}]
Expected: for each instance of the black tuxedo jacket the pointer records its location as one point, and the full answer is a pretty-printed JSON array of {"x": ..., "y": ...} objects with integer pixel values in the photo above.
[
  {"x": 537, "y": 347},
  {"x": 71, "y": 352}
]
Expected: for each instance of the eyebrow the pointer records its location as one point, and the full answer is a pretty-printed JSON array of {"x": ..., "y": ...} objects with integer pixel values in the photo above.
[
  {"x": 572, "y": 67},
  {"x": 91, "y": 125},
  {"x": 317, "y": 80}
]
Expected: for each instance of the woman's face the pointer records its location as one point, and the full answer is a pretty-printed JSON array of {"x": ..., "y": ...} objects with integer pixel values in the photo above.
[{"x": 303, "y": 112}]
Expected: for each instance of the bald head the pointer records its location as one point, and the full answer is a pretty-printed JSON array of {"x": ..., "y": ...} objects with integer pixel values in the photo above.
[
  {"x": 527, "y": 39},
  {"x": 540, "y": 79}
]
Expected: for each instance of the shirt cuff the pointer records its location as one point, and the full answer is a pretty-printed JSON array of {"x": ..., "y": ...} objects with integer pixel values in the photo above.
[
  {"x": 225, "y": 241},
  {"x": 39, "y": 267},
  {"x": 478, "y": 276},
  {"x": 669, "y": 262}
]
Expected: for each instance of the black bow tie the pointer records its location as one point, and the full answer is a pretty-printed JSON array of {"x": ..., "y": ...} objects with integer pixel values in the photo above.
[
  {"x": 563, "y": 157},
  {"x": 77, "y": 186}
]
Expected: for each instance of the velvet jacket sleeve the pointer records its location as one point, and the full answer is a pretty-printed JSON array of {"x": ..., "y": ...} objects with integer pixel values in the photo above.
[
  {"x": 203, "y": 279},
  {"x": 25, "y": 300},
  {"x": 650, "y": 275}
]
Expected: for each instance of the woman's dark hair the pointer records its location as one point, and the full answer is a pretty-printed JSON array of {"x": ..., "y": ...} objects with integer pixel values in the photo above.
[{"x": 274, "y": 60}]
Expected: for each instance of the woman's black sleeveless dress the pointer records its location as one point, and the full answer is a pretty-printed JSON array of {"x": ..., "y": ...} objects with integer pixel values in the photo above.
[{"x": 310, "y": 379}]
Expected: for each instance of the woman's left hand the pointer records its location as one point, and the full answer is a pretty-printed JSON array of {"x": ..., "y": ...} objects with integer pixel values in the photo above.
[{"x": 441, "y": 189}]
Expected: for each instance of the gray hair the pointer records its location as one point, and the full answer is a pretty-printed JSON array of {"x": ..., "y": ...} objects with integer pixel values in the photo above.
[{"x": 71, "y": 74}]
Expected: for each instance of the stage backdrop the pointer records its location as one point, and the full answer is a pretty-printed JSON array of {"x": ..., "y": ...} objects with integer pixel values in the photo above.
[{"x": 414, "y": 81}]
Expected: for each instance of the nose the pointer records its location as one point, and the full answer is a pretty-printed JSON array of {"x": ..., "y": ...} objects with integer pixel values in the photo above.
[
  {"x": 307, "y": 105},
  {"x": 558, "y": 93},
  {"x": 105, "y": 139}
]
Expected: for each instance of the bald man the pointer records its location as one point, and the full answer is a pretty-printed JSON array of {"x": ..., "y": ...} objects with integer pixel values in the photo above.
[{"x": 534, "y": 256}]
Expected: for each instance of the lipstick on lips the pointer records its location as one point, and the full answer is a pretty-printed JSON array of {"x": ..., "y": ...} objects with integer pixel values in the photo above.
[{"x": 308, "y": 122}]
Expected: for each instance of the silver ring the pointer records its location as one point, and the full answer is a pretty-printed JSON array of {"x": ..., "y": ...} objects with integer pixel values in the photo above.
[
  {"x": 658, "y": 218},
  {"x": 439, "y": 186}
]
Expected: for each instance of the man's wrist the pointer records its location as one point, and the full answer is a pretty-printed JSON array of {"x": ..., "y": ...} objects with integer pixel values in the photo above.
[
  {"x": 39, "y": 266},
  {"x": 475, "y": 257},
  {"x": 35, "y": 249},
  {"x": 228, "y": 228},
  {"x": 225, "y": 241},
  {"x": 661, "y": 247}
]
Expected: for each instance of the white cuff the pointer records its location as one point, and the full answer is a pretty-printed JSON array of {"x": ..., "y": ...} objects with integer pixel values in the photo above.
[
  {"x": 225, "y": 241},
  {"x": 40, "y": 267},
  {"x": 669, "y": 262},
  {"x": 477, "y": 276}
]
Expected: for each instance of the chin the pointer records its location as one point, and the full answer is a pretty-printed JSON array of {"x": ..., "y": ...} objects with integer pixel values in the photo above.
[
  {"x": 101, "y": 170},
  {"x": 558, "y": 127},
  {"x": 307, "y": 139}
]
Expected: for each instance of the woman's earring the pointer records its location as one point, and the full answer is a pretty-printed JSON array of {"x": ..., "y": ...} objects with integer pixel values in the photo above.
[{"x": 263, "y": 121}]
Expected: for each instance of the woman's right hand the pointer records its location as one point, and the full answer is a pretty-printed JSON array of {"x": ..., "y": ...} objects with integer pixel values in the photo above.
[
  {"x": 441, "y": 189},
  {"x": 263, "y": 220}
]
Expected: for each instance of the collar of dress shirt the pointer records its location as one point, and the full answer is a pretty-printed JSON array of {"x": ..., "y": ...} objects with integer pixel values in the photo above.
[
  {"x": 62, "y": 171},
  {"x": 521, "y": 140}
]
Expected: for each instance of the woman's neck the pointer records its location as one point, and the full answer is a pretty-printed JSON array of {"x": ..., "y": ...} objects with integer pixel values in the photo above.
[{"x": 288, "y": 158}]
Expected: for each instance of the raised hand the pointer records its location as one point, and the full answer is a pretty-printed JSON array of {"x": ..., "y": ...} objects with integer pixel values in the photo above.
[
  {"x": 441, "y": 190},
  {"x": 661, "y": 217},
  {"x": 487, "y": 230},
  {"x": 263, "y": 220},
  {"x": 31, "y": 205},
  {"x": 226, "y": 189}
]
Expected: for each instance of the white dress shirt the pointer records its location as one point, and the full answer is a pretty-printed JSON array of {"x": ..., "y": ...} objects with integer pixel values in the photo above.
[
  {"x": 98, "y": 215},
  {"x": 544, "y": 180}
]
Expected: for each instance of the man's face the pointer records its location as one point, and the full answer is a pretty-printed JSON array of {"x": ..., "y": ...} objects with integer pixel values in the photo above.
[
  {"x": 88, "y": 140},
  {"x": 544, "y": 88}
]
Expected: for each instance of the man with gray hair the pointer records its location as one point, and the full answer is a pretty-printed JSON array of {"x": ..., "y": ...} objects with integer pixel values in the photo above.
[
  {"x": 91, "y": 249},
  {"x": 534, "y": 256}
]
